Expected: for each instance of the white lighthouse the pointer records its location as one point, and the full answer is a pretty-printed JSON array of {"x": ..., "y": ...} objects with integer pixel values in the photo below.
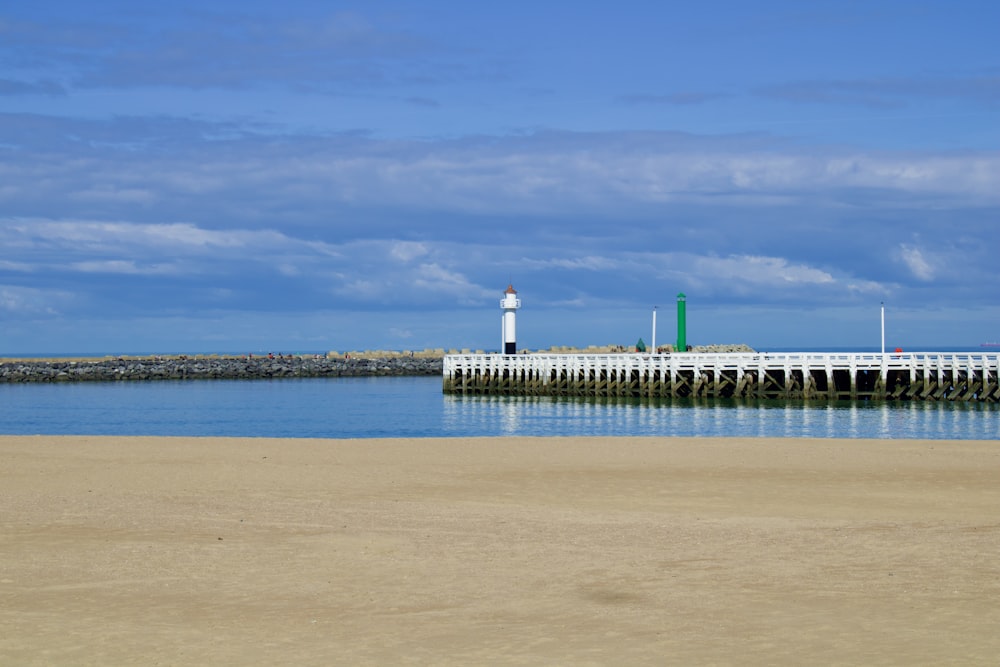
[{"x": 509, "y": 303}]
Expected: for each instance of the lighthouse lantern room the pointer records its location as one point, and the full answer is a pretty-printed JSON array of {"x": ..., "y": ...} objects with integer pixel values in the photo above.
[{"x": 509, "y": 303}]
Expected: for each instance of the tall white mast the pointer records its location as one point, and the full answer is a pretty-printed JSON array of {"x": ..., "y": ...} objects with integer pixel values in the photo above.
[{"x": 883, "y": 327}]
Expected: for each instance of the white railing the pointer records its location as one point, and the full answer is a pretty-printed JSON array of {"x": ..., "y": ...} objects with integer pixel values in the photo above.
[{"x": 745, "y": 360}]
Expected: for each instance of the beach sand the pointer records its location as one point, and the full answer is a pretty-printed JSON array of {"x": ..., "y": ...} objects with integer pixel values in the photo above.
[{"x": 499, "y": 551}]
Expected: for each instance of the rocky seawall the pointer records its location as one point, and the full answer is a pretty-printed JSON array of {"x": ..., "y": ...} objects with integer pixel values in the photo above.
[
  {"x": 213, "y": 368},
  {"x": 353, "y": 364}
]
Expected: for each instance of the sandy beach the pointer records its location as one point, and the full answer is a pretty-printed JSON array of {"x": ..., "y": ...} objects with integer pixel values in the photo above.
[{"x": 499, "y": 551}]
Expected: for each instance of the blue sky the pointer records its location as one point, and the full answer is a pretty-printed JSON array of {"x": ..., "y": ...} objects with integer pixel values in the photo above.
[{"x": 309, "y": 176}]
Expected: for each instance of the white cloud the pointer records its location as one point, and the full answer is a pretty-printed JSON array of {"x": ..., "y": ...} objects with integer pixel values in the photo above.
[
  {"x": 761, "y": 271},
  {"x": 144, "y": 248},
  {"x": 126, "y": 267},
  {"x": 605, "y": 174},
  {"x": 406, "y": 251},
  {"x": 96, "y": 234},
  {"x": 868, "y": 287},
  {"x": 587, "y": 263},
  {"x": 916, "y": 262},
  {"x": 596, "y": 175},
  {"x": 363, "y": 290},
  {"x": 439, "y": 280},
  {"x": 30, "y": 301}
]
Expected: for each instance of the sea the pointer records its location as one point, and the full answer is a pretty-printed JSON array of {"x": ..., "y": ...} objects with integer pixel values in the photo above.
[{"x": 415, "y": 407}]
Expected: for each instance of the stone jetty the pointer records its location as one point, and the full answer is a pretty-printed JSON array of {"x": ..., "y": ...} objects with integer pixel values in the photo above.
[
  {"x": 365, "y": 363},
  {"x": 216, "y": 368}
]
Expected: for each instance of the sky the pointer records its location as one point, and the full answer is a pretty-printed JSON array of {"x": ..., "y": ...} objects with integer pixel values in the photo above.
[{"x": 332, "y": 176}]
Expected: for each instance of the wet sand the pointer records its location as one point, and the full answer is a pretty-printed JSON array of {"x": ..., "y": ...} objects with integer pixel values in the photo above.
[{"x": 500, "y": 551}]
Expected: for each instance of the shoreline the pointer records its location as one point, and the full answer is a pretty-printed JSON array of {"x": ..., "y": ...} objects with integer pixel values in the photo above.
[{"x": 516, "y": 550}]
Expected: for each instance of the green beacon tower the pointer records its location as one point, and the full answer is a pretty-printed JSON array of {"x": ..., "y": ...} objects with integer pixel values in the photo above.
[{"x": 681, "y": 323}]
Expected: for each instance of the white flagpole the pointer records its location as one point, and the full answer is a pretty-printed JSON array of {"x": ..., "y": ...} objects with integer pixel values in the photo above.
[
  {"x": 883, "y": 327},
  {"x": 653, "y": 344}
]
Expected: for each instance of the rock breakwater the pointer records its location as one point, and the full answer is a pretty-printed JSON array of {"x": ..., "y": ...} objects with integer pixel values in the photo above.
[{"x": 213, "y": 368}]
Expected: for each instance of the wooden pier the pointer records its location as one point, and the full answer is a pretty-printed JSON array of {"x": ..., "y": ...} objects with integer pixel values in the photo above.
[{"x": 926, "y": 376}]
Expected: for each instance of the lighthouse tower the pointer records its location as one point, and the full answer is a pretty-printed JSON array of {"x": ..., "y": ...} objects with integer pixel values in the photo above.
[{"x": 509, "y": 303}]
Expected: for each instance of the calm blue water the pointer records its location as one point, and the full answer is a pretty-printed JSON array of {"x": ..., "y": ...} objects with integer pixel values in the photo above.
[{"x": 415, "y": 407}]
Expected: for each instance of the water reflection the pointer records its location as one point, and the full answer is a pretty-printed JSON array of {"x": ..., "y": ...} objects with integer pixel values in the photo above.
[
  {"x": 415, "y": 407},
  {"x": 541, "y": 416}
]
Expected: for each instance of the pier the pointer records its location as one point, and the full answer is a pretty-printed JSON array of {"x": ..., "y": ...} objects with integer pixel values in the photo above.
[{"x": 924, "y": 376}]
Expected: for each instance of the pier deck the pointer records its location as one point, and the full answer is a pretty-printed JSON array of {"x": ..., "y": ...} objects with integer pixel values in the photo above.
[{"x": 935, "y": 376}]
